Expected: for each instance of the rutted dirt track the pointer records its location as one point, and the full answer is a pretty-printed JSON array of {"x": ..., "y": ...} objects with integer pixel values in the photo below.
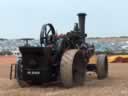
[{"x": 115, "y": 85}]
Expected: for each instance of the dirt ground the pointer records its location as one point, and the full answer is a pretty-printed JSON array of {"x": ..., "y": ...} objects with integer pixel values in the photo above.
[
  {"x": 7, "y": 59},
  {"x": 115, "y": 85}
]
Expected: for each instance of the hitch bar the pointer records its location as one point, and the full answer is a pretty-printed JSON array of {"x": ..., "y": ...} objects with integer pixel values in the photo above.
[{"x": 12, "y": 69}]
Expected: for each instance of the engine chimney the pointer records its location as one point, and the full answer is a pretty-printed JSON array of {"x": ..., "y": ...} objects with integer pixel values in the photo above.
[{"x": 81, "y": 17}]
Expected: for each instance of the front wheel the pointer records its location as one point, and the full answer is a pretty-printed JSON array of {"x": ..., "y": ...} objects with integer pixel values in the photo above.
[{"x": 102, "y": 66}]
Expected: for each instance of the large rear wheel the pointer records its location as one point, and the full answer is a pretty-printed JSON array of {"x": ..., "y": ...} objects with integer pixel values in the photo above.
[
  {"x": 72, "y": 68},
  {"x": 19, "y": 74}
]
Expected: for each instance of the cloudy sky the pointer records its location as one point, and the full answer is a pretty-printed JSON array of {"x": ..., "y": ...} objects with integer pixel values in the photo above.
[{"x": 24, "y": 18}]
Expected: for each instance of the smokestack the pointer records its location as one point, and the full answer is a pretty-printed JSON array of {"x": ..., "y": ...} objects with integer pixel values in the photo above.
[{"x": 81, "y": 17}]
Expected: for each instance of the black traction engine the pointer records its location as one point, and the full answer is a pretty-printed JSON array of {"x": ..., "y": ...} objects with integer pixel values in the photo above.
[{"x": 59, "y": 58}]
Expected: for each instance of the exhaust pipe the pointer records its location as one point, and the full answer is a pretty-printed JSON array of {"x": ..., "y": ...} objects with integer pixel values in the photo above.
[{"x": 82, "y": 17}]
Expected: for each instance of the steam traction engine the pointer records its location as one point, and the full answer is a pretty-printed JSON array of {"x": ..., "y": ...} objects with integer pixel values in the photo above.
[{"x": 64, "y": 58}]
